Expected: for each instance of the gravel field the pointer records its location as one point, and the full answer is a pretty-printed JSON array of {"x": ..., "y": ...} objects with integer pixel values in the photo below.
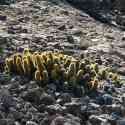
[{"x": 43, "y": 25}]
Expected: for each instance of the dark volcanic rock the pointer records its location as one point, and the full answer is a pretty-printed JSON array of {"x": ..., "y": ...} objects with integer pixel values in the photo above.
[
  {"x": 106, "y": 99},
  {"x": 44, "y": 25},
  {"x": 6, "y": 122},
  {"x": 32, "y": 95},
  {"x": 98, "y": 120},
  {"x": 16, "y": 115},
  {"x": 67, "y": 120},
  {"x": 120, "y": 4},
  {"x": 6, "y": 2},
  {"x": 64, "y": 98},
  {"x": 3, "y": 18},
  {"x": 53, "y": 109},
  {"x": 31, "y": 123},
  {"x": 6, "y": 99},
  {"x": 47, "y": 99},
  {"x": 59, "y": 120},
  {"x": 99, "y": 9},
  {"x": 121, "y": 122},
  {"x": 73, "y": 107},
  {"x": 79, "y": 91}
]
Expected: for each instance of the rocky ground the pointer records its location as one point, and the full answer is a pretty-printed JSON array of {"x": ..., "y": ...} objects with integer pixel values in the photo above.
[{"x": 55, "y": 25}]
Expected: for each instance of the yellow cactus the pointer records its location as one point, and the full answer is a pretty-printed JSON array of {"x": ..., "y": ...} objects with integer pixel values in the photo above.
[
  {"x": 26, "y": 68},
  {"x": 79, "y": 74},
  {"x": 110, "y": 75},
  {"x": 9, "y": 64},
  {"x": 65, "y": 57},
  {"x": 55, "y": 73},
  {"x": 94, "y": 84},
  {"x": 82, "y": 65},
  {"x": 49, "y": 64},
  {"x": 61, "y": 56},
  {"x": 72, "y": 81},
  {"x": 67, "y": 62},
  {"x": 44, "y": 58},
  {"x": 93, "y": 74},
  {"x": 29, "y": 59},
  {"x": 95, "y": 67},
  {"x": 103, "y": 74},
  {"x": 72, "y": 69},
  {"x": 64, "y": 74},
  {"x": 38, "y": 75},
  {"x": 26, "y": 51},
  {"x": 45, "y": 76},
  {"x": 115, "y": 77},
  {"x": 14, "y": 59},
  {"x": 50, "y": 56},
  {"x": 33, "y": 58},
  {"x": 55, "y": 66},
  {"x": 77, "y": 62},
  {"x": 87, "y": 68},
  {"x": 56, "y": 60},
  {"x": 39, "y": 63},
  {"x": 19, "y": 65}
]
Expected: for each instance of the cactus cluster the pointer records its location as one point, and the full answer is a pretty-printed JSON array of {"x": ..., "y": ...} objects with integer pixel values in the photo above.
[{"x": 54, "y": 66}]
